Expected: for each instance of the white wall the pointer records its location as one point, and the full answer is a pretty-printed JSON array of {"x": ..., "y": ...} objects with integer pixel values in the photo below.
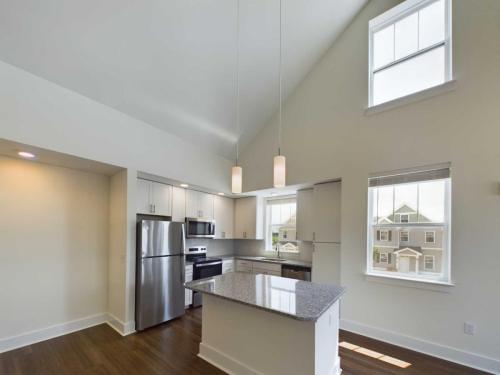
[
  {"x": 326, "y": 135},
  {"x": 53, "y": 246},
  {"x": 39, "y": 113}
]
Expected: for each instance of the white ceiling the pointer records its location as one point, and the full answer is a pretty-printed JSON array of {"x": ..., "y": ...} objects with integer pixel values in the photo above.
[{"x": 172, "y": 63}]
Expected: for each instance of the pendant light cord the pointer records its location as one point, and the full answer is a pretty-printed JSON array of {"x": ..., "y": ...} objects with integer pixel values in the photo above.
[
  {"x": 280, "y": 84},
  {"x": 237, "y": 79}
]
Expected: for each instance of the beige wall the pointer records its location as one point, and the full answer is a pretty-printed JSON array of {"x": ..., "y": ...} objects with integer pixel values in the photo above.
[
  {"x": 53, "y": 245},
  {"x": 117, "y": 245},
  {"x": 327, "y": 135}
]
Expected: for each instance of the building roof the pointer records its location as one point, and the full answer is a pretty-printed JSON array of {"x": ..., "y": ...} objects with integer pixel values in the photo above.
[
  {"x": 404, "y": 209},
  {"x": 417, "y": 249}
]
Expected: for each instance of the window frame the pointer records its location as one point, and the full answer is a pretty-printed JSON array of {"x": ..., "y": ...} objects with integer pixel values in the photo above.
[
  {"x": 446, "y": 246},
  {"x": 394, "y": 15},
  {"x": 407, "y": 236},
  {"x": 407, "y": 218},
  {"x": 386, "y": 254},
  {"x": 386, "y": 231},
  {"x": 268, "y": 226}
]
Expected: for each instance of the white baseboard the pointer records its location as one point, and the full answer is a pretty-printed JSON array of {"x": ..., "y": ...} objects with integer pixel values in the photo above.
[
  {"x": 224, "y": 362},
  {"x": 119, "y": 326},
  {"x": 32, "y": 337},
  {"x": 462, "y": 357}
]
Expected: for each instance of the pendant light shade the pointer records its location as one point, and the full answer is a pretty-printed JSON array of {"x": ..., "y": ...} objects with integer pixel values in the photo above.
[
  {"x": 279, "y": 171},
  {"x": 236, "y": 179}
]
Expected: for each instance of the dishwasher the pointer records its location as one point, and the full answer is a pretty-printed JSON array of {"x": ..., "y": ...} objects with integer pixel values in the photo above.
[{"x": 296, "y": 272}]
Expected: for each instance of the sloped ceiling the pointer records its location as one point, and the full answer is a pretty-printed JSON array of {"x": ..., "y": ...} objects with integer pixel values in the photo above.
[{"x": 172, "y": 63}]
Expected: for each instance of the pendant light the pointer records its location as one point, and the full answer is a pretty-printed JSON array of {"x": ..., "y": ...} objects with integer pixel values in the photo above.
[
  {"x": 237, "y": 171},
  {"x": 279, "y": 160}
]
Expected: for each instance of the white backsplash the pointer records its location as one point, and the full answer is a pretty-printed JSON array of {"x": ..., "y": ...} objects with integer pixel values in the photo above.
[
  {"x": 248, "y": 247},
  {"x": 214, "y": 247},
  {"x": 256, "y": 248}
]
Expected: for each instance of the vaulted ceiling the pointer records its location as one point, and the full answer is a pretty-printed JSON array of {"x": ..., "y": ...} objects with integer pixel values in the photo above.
[{"x": 172, "y": 63}]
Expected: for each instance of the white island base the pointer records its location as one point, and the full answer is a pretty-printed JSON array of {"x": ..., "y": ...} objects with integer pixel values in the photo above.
[{"x": 241, "y": 339}]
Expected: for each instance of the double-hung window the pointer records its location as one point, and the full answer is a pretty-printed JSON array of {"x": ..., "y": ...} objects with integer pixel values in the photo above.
[
  {"x": 281, "y": 219},
  {"x": 425, "y": 197},
  {"x": 410, "y": 49}
]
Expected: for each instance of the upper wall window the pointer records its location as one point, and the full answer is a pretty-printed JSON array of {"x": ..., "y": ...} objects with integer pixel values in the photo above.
[{"x": 410, "y": 49}]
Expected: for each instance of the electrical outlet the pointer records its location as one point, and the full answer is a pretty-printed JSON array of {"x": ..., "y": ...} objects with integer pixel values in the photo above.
[{"x": 469, "y": 328}]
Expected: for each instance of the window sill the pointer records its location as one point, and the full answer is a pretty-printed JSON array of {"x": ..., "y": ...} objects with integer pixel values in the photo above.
[
  {"x": 412, "y": 98},
  {"x": 410, "y": 282}
]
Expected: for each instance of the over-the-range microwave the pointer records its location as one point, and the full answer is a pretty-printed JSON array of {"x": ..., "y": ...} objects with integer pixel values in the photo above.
[{"x": 200, "y": 227}]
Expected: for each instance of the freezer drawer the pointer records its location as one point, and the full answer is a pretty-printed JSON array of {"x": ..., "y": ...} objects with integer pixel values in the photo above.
[{"x": 160, "y": 290}]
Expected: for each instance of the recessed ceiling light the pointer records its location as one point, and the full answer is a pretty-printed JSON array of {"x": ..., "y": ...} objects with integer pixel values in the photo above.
[
  {"x": 220, "y": 193},
  {"x": 184, "y": 185},
  {"x": 27, "y": 155}
]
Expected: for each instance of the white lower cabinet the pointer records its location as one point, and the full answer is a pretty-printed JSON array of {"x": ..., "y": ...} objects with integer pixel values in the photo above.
[
  {"x": 243, "y": 266},
  {"x": 188, "y": 294},
  {"x": 266, "y": 268},
  {"x": 227, "y": 265},
  {"x": 258, "y": 267}
]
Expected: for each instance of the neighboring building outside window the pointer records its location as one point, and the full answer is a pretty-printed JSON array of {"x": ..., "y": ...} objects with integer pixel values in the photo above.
[
  {"x": 430, "y": 237},
  {"x": 281, "y": 218},
  {"x": 425, "y": 197},
  {"x": 410, "y": 49},
  {"x": 404, "y": 218}
]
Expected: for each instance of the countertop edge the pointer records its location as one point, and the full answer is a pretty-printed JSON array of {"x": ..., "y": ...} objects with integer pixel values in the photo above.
[
  {"x": 291, "y": 316},
  {"x": 252, "y": 258}
]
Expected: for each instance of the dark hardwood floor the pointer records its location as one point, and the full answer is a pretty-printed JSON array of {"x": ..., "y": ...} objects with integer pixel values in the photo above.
[{"x": 171, "y": 348}]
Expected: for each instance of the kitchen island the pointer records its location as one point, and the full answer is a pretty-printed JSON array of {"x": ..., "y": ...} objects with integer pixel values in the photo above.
[{"x": 261, "y": 324}]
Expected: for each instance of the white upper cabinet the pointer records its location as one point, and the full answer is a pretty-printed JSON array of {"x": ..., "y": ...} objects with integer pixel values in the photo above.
[
  {"x": 192, "y": 203},
  {"x": 206, "y": 205},
  {"x": 305, "y": 215},
  {"x": 162, "y": 199},
  {"x": 326, "y": 212},
  {"x": 224, "y": 217},
  {"x": 199, "y": 204},
  {"x": 144, "y": 197},
  {"x": 154, "y": 198},
  {"x": 178, "y": 204},
  {"x": 248, "y": 218}
]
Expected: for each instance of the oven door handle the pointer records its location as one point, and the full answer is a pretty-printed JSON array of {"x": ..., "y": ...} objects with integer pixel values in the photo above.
[{"x": 208, "y": 264}]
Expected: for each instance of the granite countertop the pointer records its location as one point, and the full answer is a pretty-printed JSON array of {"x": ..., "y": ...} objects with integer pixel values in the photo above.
[
  {"x": 291, "y": 262},
  {"x": 297, "y": 299}
]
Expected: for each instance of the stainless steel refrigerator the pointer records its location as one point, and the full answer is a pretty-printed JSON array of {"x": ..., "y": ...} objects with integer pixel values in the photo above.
[{"x": 160, "y": 272}]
